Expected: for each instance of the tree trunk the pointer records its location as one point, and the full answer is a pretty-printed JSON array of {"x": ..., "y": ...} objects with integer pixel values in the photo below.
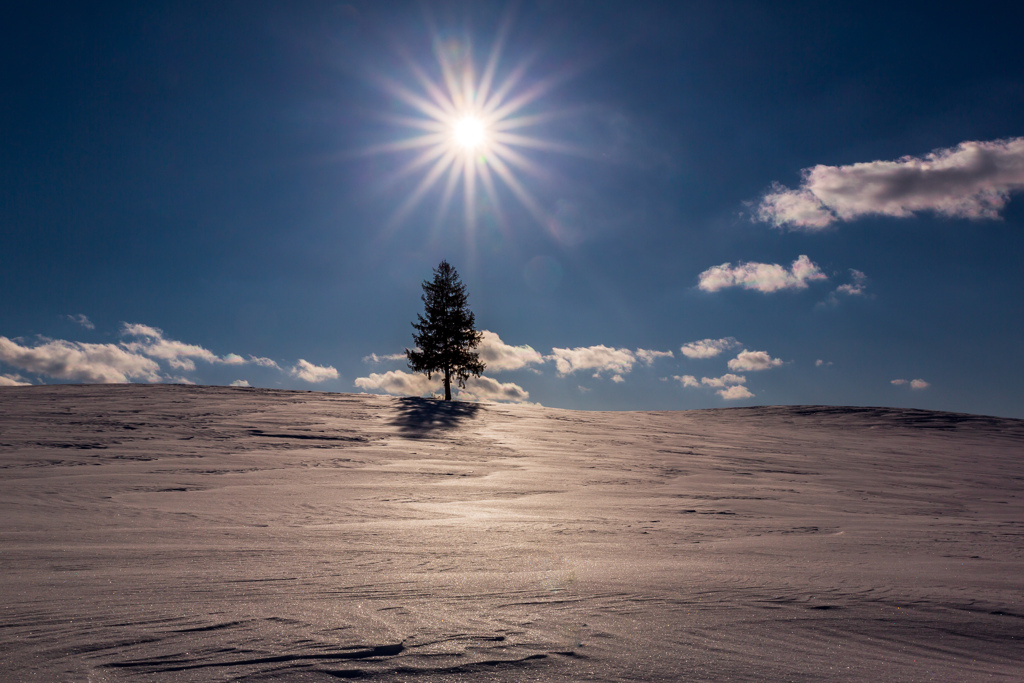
[{"x": 447, "y": 384}]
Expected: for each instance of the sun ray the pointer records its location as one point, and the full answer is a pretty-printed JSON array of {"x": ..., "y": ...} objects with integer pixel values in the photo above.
[
  {"x": 424, "y": 105},
  {"x": 535, "y": 143},
  {"x": 487, "y": 180},
  {"x": 409, "y": 144},
  {"x": 424, "y": 158},
  {"x": 519, "y": 191},
  {"x": 469, "y": 180},
  {"x": 428, "y": 182},
  {"x": 487, "y": 79}
]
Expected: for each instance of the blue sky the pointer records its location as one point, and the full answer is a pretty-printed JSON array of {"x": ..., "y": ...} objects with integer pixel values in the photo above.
[{"x": 674, "y": 206}]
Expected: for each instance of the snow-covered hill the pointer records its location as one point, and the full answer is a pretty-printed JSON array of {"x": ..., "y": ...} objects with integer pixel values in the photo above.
[{"x": 208, "y": 534}]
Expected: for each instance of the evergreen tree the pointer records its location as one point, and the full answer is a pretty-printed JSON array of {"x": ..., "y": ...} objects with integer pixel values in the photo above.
[{"x": 445, "y": 338}]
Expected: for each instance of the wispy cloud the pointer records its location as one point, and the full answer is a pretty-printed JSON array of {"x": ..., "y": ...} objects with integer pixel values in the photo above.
[
  {"x": 314, "y": 374},
  {"x": 499, "y": 356},
  {"x": 822, "y": 363},
  {"x": 388, "y": 357},
  {"x": 725, "y": 380},
  {"x": 708, "y": 348},
  {"x": 82, "y": 320},
  {"x": 763, "y": 277},
  {"x": 752, "y": 361},
  {"x": 151, "y": 342},
  {"x": 913, "y": 383},
  {"x": 13, "y": 381},
  {"x": 972, "y": 180},
  {"x": 96, "y": 363},
  {"x": 598, "y": 358},
  {"x": 647, "y": 357},
  {"x": 856, "y": 286}
]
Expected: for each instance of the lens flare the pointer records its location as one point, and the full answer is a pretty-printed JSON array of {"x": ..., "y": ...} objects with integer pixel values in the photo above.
[
  {"x": 471, "y": 129},
  {"x": 469, "y": 132}
]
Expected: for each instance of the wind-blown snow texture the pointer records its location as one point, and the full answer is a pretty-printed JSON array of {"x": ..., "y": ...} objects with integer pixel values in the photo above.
[{"x": 212, "y": 534}]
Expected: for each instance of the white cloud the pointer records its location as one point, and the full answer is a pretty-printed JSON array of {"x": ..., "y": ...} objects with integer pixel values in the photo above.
[
  {"x": 150, "y": 341},
  {"x": 914, "y": 383},
  {"x": 153, "y": 344},
  {"x": 752, "y": 361},
  {"x": 796, "y": 208},
  {"x": 857, "y": 286},
  {"x": 140, "y": 330},
  {"x": 13, "y": 381},
  {"x": 499, "y": 356},
  {"x": 708, "y": 348},
  {"x": 179, "y": 380},
  {"x": 647, "y": 357},
  {"x": 598, "y": 358},
  {"x": 735, "y": 392},
  {"x": 400, "y": 383},
  {"x": 240, "y": 383},
  {"x": 487, "y": 389},
  {"x": 725, "y": 380},
  {"x": 618, "y": 379},
  {"x": 374, "y": 358},
  {"x": 821, "y": 363},
  {"x": 308, "y": 372},
  {"x": 99, "y": 363},
  {"x": 972, "y": 180},
  {"x": 764, "y": 277},
  {"x": 728, "y": 386},
  {"x": 82, "y": 320}
]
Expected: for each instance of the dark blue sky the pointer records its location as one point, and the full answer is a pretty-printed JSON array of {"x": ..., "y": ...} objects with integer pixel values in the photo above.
[{"x": 218, "y": 188}]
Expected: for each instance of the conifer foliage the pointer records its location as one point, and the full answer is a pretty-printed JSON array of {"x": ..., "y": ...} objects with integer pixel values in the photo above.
[{"x": 446, "y": 337}]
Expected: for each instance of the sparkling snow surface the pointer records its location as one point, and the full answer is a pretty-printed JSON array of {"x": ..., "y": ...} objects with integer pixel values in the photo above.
[{"x": 172, "y": 533}]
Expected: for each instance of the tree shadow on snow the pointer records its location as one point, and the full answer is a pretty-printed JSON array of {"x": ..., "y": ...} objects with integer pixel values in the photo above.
[{"x": 421, "y": 416}]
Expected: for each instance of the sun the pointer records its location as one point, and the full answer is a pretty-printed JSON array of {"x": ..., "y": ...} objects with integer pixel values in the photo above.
[
  {"x": 469, "y": 133},
  {"x": 470, "y": 127}
]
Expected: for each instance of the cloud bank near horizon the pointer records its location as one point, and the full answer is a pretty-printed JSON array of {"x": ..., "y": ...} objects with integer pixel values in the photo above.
[
  {"x": 401, "y": 383},
  {"x": 138, "y": 358},
  {"x": 973, "y": 180},
  {"x": 147, "y": 354},
  {"x": 79, "y": 361}
]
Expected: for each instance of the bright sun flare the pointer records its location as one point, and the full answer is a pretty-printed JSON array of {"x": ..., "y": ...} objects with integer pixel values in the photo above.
[
  {"x": 469, "y": 133},
  {"x": 470, "y": 128}
]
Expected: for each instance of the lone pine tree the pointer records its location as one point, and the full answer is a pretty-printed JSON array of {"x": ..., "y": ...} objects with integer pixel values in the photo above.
[{"x": 445, "y": 338}]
